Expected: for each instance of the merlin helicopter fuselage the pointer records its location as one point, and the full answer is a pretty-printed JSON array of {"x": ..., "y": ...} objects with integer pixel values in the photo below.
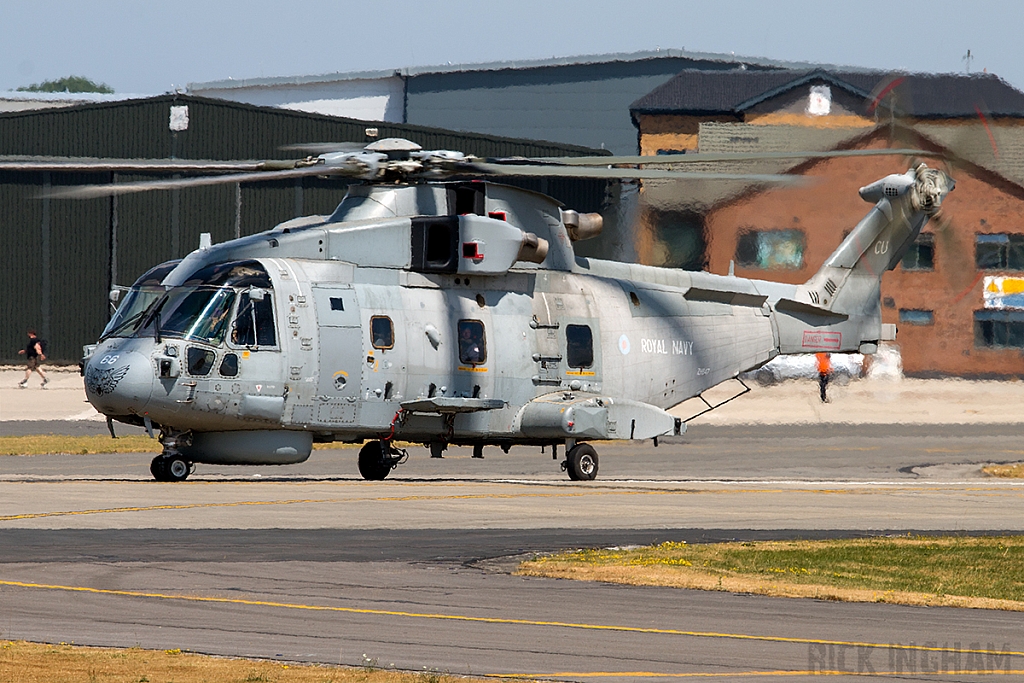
[{"x": 458, "y": 313}]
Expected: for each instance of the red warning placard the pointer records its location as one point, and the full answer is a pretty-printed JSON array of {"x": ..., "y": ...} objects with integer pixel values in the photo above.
[{"x": 831, "y": 341}]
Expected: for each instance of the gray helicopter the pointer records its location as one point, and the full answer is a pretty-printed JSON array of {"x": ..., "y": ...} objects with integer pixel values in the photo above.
[{"x": 449, "y": 312}]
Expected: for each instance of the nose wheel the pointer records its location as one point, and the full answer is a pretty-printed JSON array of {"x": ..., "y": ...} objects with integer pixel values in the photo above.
[
  {"x": 171, "y": 465},
  {"x": 170, "y": 468}
]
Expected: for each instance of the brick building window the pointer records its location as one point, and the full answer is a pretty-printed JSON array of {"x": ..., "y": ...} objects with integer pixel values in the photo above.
[
  {"x": 999, "y": 329},
  {"x": 910, "y": 316},
  {"x": 679, "y": 240},
  {"x": 1000, "y": 251},
  {"x": 921, "y": 255},
  {"x": 771, "y": 249}
]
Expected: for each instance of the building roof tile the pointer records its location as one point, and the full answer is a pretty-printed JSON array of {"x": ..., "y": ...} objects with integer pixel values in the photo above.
[{"x": 918, "y": 95}]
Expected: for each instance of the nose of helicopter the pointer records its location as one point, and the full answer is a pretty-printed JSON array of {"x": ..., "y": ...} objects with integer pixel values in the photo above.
[{"x": 119, "y": 383}]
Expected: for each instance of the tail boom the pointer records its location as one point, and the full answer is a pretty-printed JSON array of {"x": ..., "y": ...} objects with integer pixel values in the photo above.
[{"x": 839, "y": 308}]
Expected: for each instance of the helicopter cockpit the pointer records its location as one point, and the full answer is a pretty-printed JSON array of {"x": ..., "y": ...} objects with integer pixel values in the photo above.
[
  {"x": 146, "y": 291},
  {"x": 224, "y": 301}
]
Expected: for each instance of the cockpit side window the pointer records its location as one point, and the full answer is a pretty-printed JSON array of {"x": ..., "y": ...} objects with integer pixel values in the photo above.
[
  {"x": 266, "y": 335},
  {"x": 254, "y": 321},
  {"x": 244, "y": 332}
]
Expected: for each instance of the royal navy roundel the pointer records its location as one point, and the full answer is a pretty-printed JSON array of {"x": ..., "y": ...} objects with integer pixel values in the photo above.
[{"x": 624, "y": 345}]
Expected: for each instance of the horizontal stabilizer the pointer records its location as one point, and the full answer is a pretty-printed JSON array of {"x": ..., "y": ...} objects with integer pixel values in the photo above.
[{"x": 798, "y": 307}]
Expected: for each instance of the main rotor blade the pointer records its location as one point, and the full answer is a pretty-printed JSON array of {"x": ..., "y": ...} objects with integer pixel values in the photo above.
[
  {"x": 624, "y": 173},
  {"x": 324, "y": 147},
  {"x": 94, "y": 191},
  {"x": 96, "y": 165},
  {"x": 701, "y": 157}
]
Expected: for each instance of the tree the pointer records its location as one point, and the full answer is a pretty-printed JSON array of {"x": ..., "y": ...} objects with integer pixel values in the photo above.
[{"x": 68, "y": 84}]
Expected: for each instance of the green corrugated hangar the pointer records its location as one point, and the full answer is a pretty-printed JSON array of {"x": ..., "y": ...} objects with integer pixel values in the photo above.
[{"x": 61, "y": 257}]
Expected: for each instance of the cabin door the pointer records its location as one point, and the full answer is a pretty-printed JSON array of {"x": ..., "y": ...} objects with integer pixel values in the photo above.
[
  {"x": 547, "y": 354},
  {"x": 340, "y": 355}
]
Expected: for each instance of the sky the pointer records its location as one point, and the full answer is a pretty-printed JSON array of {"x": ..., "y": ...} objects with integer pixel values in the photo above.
[{"x": 151, "y": 47}]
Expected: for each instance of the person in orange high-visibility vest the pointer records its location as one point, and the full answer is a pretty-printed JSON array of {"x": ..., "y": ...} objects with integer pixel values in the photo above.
[{"x": 824, "y": 373}]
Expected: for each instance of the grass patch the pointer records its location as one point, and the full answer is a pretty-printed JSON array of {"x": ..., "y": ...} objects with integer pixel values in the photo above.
[
  {"x": 47, "y": 444},
  {"x": 1005, "y": 471},
  {"x": 44, "y": 444},
  {"x": 22, "y": 662},
  {"x": 953, "y": 571}
]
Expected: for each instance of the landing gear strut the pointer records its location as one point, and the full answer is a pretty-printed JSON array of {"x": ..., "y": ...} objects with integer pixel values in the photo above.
[
  {"x": 581, "y": 462},
  {"x": 377, "y": 459},
  {"x": 171, "y": 465}
]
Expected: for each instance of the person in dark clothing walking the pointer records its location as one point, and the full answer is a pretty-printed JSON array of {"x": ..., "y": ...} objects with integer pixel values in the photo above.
[
  {"x": 35, "y": 355},
  {"x": 824, "y": 373}
]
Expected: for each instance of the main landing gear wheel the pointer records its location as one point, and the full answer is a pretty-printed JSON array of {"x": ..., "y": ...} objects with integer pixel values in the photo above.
[
  {"x": 374, "y": 462},
  {"x": 581, "y": 462},
  {"x": 170, "y": 468}
]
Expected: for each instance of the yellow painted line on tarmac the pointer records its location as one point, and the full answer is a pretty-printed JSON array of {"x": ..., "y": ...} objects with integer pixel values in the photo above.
[
  {"x": 496, "y": 620},
  {"x": 965, "y": 450},
  {"x": 147, "y": 508},
  {"x": 988, "y": 491},
  {"x": 379, "y": 499},
  {"x": 298, "y": 501}
]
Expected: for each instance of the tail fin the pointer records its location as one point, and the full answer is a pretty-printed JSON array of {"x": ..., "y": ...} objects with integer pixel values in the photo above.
[{"x": 845, "y": 292}]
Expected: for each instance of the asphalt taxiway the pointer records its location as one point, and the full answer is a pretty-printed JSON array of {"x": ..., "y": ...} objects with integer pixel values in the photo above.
[{"x": 310, "y": 563}]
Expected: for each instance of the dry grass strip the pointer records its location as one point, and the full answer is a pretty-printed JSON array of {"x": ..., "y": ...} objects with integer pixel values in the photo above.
[
  {"x": 23, "y": 662},
  {"x": 45, "y": 444},
  {"x": 1015, "y": 471}
]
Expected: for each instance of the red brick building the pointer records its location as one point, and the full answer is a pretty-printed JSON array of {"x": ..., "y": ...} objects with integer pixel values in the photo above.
[
  {"x": 947, "y": 323},
  {"x": 935, "y": 296}
]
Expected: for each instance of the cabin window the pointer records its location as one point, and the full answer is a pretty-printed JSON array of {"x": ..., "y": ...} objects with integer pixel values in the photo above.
[
  {"x": 579, "y": 342},
  {"x": 911, "y": 316},
  {"x": 472, "y": 344},
  {"x": 921, "y": 255},
  {"x": 254, "y": 324},
  {"x": 1001, "y": 251},
  {"x": 199, "y": 361},
  {"x": 994, "y": 329},
  {"x": 382, "y": 332},
  {"x": 771, "y": 249}
]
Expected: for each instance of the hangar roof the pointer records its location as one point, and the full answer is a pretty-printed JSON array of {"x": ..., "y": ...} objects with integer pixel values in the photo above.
[
  {"x": 223, "y": 129},
  {"x": 518, "y": 64}
]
